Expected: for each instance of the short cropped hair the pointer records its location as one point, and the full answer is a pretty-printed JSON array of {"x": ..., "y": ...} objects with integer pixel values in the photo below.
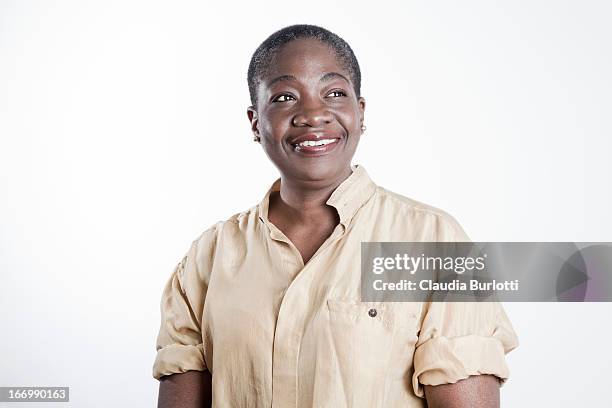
[{"x": 263, "y": 55}]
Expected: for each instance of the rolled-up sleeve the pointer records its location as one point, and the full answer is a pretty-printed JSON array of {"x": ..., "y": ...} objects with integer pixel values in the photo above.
[
  {"x": 461, "y": 339},
  {"x": 180, "y": 345}
]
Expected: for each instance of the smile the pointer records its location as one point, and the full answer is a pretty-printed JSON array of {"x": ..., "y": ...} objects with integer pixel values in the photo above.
[
  {"x": 315, "y": 147},
  {"x": 316, "y": 142}
]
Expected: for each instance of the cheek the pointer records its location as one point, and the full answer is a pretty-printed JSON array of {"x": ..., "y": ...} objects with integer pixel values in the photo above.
[
  {"x": 274, "y": 123},
  {"x": 349, "y": 118}
]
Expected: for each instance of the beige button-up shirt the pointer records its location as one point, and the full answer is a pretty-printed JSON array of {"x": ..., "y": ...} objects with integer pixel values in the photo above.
[{"x": 277, "y": 333}]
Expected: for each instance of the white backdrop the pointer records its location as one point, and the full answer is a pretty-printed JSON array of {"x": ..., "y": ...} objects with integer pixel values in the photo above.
[{"x": 124, "y": 135}]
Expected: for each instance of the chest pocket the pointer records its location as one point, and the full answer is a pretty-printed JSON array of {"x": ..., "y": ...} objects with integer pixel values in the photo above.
[{"x": 373, "y": 343}]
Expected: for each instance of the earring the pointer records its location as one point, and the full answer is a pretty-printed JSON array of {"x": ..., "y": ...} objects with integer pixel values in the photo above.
[
  {"x": 363, "y": 128},
  {"x": 256, "y": 139}
]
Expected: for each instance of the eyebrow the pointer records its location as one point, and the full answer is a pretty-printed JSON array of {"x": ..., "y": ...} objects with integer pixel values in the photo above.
[{"x": 324, "y": 78}]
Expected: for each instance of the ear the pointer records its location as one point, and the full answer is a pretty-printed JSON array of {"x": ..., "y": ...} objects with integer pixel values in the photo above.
[
  {"x": 254, "y": 120},
  {"x": 361, "y": 102}
]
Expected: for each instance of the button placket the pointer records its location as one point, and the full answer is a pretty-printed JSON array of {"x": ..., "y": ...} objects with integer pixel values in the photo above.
[{"x": 288, "y": 333}]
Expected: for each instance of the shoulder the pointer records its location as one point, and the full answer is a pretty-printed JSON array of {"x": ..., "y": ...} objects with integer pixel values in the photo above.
[
  {"x": 231, "y": 228},
  {"x": 422, "y": 213},
  {"x": 411, "y": 205}
]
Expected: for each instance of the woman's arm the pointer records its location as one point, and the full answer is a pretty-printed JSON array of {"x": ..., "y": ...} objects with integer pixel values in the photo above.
[
  {"x": 477, "y": 391},
  {"x": 191, "y": 389}
]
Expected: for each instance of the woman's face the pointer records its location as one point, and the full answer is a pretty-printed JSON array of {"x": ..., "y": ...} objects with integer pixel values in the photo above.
[{"x": 308, "y": 116}]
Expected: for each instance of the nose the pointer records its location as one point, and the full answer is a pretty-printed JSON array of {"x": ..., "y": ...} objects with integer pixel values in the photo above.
[{"x": 313, "y": 114}]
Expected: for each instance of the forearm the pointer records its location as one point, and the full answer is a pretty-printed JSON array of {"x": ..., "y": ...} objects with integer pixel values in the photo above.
[
  {"x": 478, "y": 391},
  {"x": 192, "y": 389}
]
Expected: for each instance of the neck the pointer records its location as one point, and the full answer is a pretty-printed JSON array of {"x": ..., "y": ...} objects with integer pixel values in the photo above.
[{"x": 305, "y": 202}]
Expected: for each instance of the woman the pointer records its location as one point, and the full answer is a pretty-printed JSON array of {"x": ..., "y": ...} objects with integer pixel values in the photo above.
[{"x": 268, "y": 301}]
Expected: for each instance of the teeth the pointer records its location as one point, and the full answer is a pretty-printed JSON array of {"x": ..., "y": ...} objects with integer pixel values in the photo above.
[{"x": 316, "y": 143}]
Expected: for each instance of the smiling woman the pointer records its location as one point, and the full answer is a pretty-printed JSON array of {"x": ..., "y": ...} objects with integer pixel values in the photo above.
[
  {"x": 264, "y": 309},
  {"x": 306, "y": 105}
]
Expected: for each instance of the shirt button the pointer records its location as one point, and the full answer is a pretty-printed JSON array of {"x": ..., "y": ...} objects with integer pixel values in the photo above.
[{"x": 372, "y": 312}]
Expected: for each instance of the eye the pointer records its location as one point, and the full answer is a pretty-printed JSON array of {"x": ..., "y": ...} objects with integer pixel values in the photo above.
[
  {"x": 286, "y": 96},
  {"x": 338, "y": 92}
]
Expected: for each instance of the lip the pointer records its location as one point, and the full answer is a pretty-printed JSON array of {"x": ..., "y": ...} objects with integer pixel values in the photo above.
[
  {"x": 313, "y": 136},
  {"x": 314, "y": 150}
]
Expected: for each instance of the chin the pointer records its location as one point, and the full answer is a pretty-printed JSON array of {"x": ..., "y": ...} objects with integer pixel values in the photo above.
[{"x": 320, "y": 171}]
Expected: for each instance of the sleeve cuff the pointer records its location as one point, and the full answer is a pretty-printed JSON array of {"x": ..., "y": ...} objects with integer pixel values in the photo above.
[
  {"x": 443, "y": 360},
  {"x": 178, "y": 358}
]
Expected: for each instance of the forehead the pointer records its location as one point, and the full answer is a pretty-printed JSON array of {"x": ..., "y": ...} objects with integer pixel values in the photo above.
[{"x": 305, "y": 59}]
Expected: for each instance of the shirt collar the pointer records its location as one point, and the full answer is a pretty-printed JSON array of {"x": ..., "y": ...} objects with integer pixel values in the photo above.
[{"x": 347, "y": 198}]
